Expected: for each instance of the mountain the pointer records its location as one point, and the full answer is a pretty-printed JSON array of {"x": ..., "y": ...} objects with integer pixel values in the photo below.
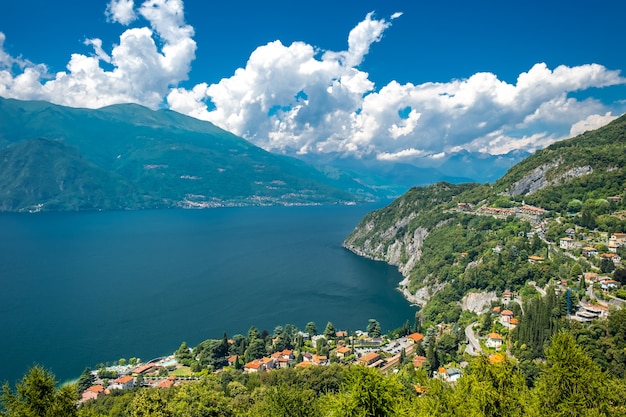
[
  {"x": 397, "y": 177},
  {"x": 442, "y": 237},
  {"x": 130, "y": 157}
]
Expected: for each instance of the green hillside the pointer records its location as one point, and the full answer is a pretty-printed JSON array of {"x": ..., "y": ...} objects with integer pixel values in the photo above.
[
  {"x": 451, "y": 240},
  {"x": 139, "y": 158}
]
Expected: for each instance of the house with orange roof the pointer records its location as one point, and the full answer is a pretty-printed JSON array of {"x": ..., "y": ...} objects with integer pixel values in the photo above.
[
  {"x": 370, "y": 359},
  {"x": 618, "y": 238},
  {"x": 614, "y": 257},
  {"x": 144, "y": 369},
  {"x": 609, "y": 284},
  {"x": 232, "y": 360},
  {"x": 419, "y": 361},
  {"x": 166, "y": 383},
  {"x": 92, "y": 393},
  {"x": 494, "y": 340},
  {"x": 590, "y": 251},
  {"x": 320, "y": 360},
  {"x": 304, "y": 364},
  {"x": 496, "y": 310},
  {"x": 415, "y": 337},
  {"x": 533, "y": 259},
  {"x": 506, "y": 316},
  {"x": 566, "y": 243},
  {"x": 343, "y": 351},
  {"x": 514, "y": 322},
  {"x": 253, "y": 366},
  {"x": 123, "y": 382},
  {"x": 342, "y": 334}
]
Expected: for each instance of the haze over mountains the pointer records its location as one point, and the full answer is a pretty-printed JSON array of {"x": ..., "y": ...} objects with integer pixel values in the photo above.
[{"x": 131, "y": 157}]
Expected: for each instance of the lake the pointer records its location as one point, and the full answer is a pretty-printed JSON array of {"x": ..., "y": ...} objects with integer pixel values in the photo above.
[{"x": 79, "y": 289}]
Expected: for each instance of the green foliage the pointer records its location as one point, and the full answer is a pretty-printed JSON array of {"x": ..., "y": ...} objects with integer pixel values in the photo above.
[
  {"x": 85, "y": 380},
  {"x": 373, "y": 328},
  {"x": 367, "y": 393},
  {"x": 571, "y": 384},
  {"x": 37, "y": 395}
]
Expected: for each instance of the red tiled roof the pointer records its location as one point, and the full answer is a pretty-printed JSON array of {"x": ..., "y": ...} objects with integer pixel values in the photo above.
[{"x": 416, "y": 337}]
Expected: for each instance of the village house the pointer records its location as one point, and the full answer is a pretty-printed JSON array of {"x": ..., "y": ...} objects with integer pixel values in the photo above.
[
  {"x": 590, "y": 251},
  {"x": 609, "y": 284},
  {"x": 506, "y": 317},
  {"x": 320, "y": 360},
  {"x": 342, "y": 334},
  {"x": 232, "y": 360},
  {"x": 342, "y": 352},
  {"x": 123, "y": 382},
  {"x": 419, "y": 361},
  {"x": 590, "y": 277},
  {"x": 92, "y": 393},
  {"x": 167, "y": 383},
  {"x": 449, "y": 375},
  {"x": 494, "y": 341},
  {"x": 371, "y": 359},
  {"x": 144, "y": 369},
  {"x": 613, "y": 247},
  {"x": 415, "y": 337},
  {"x": 258, "y": 365},
  {"x": 535, "y": 259},
  {"x": 566, "y": 243},
  {"x": 618, "y": 238},
  {"x": 615, "y": 258}
]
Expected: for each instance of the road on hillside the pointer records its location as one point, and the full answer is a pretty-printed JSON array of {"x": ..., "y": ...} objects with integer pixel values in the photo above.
[{"x": 473, "y": 346}]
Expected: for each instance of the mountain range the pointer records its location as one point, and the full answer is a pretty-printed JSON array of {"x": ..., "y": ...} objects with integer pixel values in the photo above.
[{"x": 130, "y": 157}]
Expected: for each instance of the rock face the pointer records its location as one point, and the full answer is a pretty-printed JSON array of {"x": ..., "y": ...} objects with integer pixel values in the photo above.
[
  {"x": 478, "y": 302},
  {"x": 537, "y": 179},
  {"x": 396, "y": 245}
]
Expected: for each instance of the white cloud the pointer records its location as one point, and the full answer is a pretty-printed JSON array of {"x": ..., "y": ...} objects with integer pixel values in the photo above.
[
  {"x": 142, "y": 72},
  {"x": 592, "y": 122},
  {"x": 404, "y": 154},
  {"x": 121, "y": 11},
  {"x": 299, "y": 99}
]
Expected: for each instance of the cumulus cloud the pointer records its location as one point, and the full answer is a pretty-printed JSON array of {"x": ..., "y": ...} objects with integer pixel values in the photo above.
[
  {"x": 121, "y": 11},
  {"x": 300, "y": 99},
  {"x": 142, "y": 72}
]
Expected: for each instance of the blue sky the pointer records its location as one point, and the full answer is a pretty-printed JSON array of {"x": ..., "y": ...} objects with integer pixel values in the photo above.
[{"x": 395, "y": 80}]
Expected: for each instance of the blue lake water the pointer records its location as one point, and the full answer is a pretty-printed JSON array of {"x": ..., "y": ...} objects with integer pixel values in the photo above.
[{"x": 78, "y": 289}]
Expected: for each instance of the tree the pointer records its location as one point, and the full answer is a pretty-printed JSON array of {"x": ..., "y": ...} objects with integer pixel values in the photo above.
[
  {"x": 311, "y": 329},
  {"x": 373, "y": 328},
  {"x": 607, "y": 266},
  {"x": 620, "y": 276},
  {"x": 255, "y": 350},
  {"x": 330, "y": 332},
  {"x": 149, "y": 403},
  {"x": 85, "y": 380},
  {"x": 576, "y": 271},
  {"x": 571, "y": 384},
  {"x": 367, "y": 394},
  {"x": 37, "y": 395}
]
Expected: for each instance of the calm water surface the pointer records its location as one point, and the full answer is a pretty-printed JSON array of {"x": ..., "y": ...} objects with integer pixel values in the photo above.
[{"x": 78, "y": 289}]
